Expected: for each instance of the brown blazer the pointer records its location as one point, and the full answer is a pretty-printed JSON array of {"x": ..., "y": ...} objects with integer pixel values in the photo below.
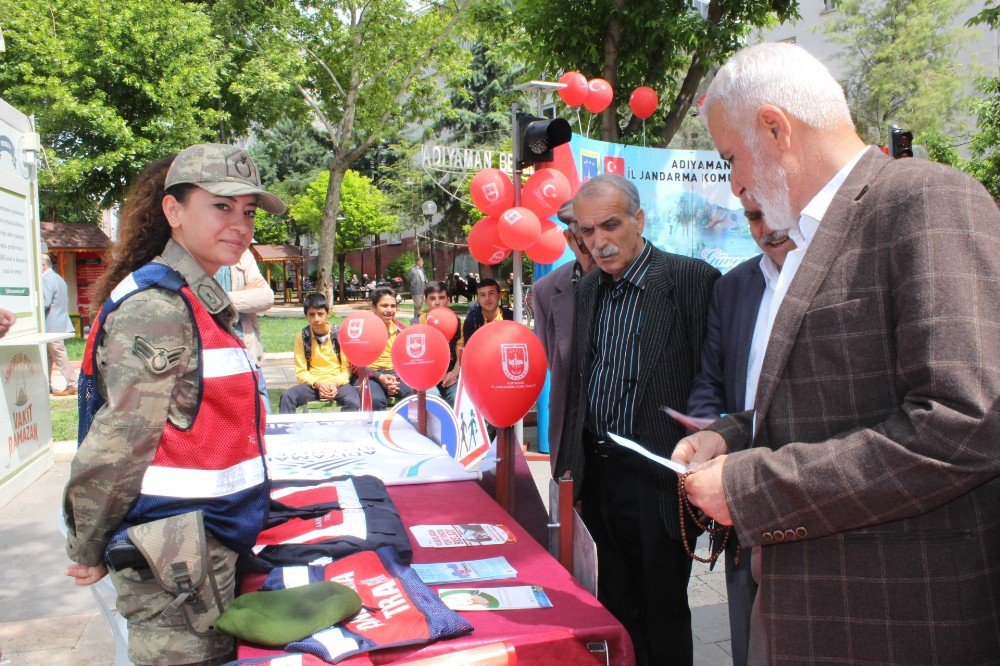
[{"x": 872, "y": 482}]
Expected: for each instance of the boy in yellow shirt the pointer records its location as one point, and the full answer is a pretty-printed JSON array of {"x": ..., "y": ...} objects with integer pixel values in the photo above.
[{"x": 323, "y": 372}]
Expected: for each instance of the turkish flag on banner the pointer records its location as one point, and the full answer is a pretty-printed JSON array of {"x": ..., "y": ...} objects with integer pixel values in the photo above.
[{"x": 614, "y": 165}]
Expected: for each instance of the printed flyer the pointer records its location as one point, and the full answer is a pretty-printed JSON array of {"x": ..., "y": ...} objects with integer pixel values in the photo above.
[
  {"x": 468, "y": 571},
  {"x": 495, "y": 598},
  {"x": 456, "y": 536}
]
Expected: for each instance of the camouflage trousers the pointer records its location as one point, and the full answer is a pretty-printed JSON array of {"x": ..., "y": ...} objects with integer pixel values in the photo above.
[{"x": 170, "y": 642}]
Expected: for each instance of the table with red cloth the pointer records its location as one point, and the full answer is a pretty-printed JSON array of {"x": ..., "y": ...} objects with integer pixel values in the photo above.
[{"x": 574, "y": 613}]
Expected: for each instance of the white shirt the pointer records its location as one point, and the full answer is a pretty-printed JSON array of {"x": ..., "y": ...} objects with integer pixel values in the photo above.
[{"x": 777, "y": 283}]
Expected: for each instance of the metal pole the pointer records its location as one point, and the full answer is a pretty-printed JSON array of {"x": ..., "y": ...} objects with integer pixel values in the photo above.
[{"x": 517, "y": 263}]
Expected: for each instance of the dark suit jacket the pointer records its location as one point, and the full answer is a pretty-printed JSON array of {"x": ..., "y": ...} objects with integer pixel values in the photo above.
[
  {"x": 721, "y": 384},
  {"x": 674, "y": 311},
  {"x": 552, "y": 298},
  {"x": 872, "y": 482}
]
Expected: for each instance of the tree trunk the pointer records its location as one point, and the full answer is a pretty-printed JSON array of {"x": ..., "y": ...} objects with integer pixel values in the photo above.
[
  {"x": 328, "y": 230},
  {"x": 610, "y": 131},
  {"x": 341, "y": 287}
]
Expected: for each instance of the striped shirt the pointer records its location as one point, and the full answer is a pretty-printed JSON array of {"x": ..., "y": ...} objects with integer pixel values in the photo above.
[{"x": 615, "y": 353}]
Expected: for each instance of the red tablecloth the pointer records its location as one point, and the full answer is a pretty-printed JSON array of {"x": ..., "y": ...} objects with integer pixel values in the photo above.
[{"x": 573, "y": 608}]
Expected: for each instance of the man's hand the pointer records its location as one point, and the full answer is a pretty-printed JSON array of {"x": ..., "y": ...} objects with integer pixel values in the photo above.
[
  {"x": 389, "y": 383},
  {"x": 7, "y": 321},
  {"x": 326, "y": 390},
  {"x": 705, "y": 490},
  {"x": 451, "y": 377},
  {"x": 698, "y": 448},
  {"x": 85, "y": 575}
]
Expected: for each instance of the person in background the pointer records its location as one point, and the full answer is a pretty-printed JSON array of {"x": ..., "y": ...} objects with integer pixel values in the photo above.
[
  {"x": 436, "y": 296},
  {"x": 250, "y": 295},
  {"x": 864, "y": 483},
  {"x": 55, "y": 298},
  {"x": 417, "y": 281},
  {"x": 7, "y": 321},
  {"x": 727, "y": 382},
  {"x": 471, "y": 285},
  {"x": 322, "y": 370},
  {"x": 171, "y": 421},
  {"x": 383, "y": 382},
  {"x": 553, "y": 297},
  {"x": 489, "y": 310}
]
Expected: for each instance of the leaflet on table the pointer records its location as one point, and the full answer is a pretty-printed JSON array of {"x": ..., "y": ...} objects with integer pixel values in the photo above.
[
  {"x": 495, "y": 598},
  {"x": 383, "y": 444},
  {"x": 467, "y": 571},
  {"x": 454, "y": 536}
]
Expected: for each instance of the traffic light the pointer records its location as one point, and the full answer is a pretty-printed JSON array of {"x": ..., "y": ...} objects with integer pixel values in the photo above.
[
  {"x": 536, "y": 137},
  {"x": 900, "y": 142}
]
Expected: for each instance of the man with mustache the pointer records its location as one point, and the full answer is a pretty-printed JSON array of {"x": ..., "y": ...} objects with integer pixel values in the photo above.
[
  {"x": 864, "y": 481},
  {"x": 637, "y": 333},
  {"x": 727, "y": 382}
]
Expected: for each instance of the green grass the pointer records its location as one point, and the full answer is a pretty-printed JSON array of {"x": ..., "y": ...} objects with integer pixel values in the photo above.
[{"x": 64, "y": 419}]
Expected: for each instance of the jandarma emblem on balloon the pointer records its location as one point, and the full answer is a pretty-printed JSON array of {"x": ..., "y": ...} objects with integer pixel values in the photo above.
[
  {"x": 511, "y": 216},
  {"x": 491, "y": 192},
  {"x": 416, "y": 345},
  {"x": 515, "y": 360},
  {"x": 355, "y": 328}
]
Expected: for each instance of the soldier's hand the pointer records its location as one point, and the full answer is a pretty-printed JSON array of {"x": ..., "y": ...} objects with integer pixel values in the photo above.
[
  {"x": 698, "y": 448},
  {"x": 85, "y": 575}
]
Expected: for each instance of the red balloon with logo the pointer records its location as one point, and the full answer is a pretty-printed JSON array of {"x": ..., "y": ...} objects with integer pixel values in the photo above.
[
  {"x": 643, "y": 102},
  {"x": 599, "y": 95},
  {"x": 420, "y": 356},
  {"x": 504, "y": 369},
  {"x": 485, "y": 245},
  {"x": 550, "y": 246},
  {"x": 444, "y": 320},
  {"x": 492, "y": 191},
  {"x": 575, "y": 91},
  {"x": 545, "y": 191},
  {"x": 362, "y": 337},
  {"x": 519, "y": 228}
]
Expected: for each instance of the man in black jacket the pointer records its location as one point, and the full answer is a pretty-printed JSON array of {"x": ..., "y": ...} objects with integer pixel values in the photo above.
[{"x": 638, "y": 330}]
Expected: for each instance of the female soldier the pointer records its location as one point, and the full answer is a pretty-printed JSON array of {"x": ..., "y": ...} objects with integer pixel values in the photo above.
[{"x": 171, "y": 422}]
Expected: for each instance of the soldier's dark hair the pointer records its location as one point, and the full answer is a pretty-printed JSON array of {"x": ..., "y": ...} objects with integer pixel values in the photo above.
[
  {"x": 143, "y": 231},
  {"x": 433, "y": 287},
  {"x": 379, "y": 292},
  {"x": 315, "y": 300}
]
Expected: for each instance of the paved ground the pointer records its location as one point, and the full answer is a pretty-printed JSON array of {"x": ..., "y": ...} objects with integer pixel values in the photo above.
[{"x": 44, "y": 619}]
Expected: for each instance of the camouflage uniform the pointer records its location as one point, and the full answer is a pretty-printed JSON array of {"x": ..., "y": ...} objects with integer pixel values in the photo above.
[{"x": 108, "y": 469}]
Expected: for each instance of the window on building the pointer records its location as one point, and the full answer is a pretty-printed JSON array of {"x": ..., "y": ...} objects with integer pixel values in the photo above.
[{"x": 830, "y": 5}]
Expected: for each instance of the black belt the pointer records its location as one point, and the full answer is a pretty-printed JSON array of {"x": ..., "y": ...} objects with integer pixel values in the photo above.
[{"x": 602, "y": 448}]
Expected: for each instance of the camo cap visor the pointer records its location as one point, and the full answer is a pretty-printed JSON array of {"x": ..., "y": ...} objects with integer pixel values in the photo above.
[{"x": 224, "y": 170}]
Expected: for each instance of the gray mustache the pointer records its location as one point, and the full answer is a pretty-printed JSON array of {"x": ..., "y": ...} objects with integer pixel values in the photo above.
[
  {"x": 775, "y": 236},
  {"x": 606, "y": 251}
]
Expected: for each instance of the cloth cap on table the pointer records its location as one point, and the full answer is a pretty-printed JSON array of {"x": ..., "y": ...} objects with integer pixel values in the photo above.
[{"x": 284, "y": 616}]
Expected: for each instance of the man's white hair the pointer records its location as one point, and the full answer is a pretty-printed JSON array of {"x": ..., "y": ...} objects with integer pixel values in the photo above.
[{"x": 781, "y": 74}]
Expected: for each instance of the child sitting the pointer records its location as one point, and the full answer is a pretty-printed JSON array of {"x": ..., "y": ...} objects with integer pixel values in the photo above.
[{"x": 323, "y": 372}]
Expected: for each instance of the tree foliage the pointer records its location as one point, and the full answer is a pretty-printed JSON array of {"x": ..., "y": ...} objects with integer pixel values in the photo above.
[
  {"x": 362, "y": 71},
  {"x": 985, "y": 146},
  {"x": 362, "y": 207},
  {"x": 900, "y": 63},
  {"x": 114, "y": 84},
  {"x": 668, "y": 45}
]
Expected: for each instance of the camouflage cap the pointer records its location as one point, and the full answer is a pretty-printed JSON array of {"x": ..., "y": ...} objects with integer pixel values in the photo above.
[{"x": 222, "y": 169}]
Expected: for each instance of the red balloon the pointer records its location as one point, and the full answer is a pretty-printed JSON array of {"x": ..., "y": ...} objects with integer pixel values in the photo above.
[
  {"x": 362, "y": 337},
  {"x": 420, "y": 356},
  {"x": 550, "y": 246},
  {"x": 519, "y": 228},
  {"x": 492, "y": 191},
  {"x": 575, "y": 91},
  {"x": 643, "y": 102},
  {"x": 545, "y": 191},
  {"x": 485, "y": 245},
  {"x": 599, "y": 95},
  {"x": 444, "y": 320},
  {"x": 504, "y": 369}
]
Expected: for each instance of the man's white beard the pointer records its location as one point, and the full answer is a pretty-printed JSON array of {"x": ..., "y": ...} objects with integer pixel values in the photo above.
[{"x": 770, "y": 190}]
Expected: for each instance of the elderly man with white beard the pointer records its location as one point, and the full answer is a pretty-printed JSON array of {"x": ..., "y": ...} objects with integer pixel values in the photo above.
[{"x": 865, "y": 478}]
